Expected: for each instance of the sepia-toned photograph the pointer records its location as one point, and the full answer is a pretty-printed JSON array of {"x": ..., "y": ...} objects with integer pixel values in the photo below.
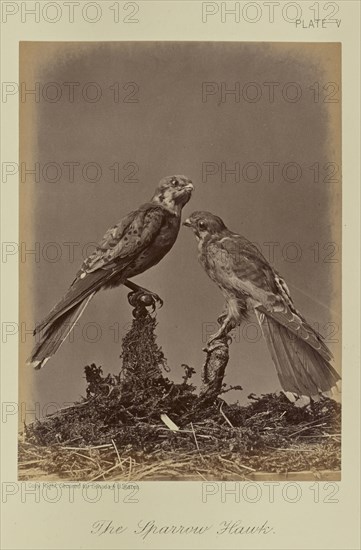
[{"x": 180, "y": 261}]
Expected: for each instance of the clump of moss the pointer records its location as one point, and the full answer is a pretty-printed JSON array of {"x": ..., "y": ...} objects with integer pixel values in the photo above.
[{"x": 121, "y": 420}]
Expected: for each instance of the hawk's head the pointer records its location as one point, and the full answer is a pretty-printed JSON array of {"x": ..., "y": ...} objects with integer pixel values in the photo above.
[
  {"x": 205, "y": 224},
  {"x": 173, "y": 192}
]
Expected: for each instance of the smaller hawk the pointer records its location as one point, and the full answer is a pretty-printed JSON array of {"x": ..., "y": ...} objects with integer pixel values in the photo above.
[
  {"x": 250, "y": 284},
  {"x": 139, "y": 241}
]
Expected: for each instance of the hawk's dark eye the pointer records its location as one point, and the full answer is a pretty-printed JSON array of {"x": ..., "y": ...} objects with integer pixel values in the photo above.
[
  {"x": 174, "y": 182},
  {"x": 202, "y": 225}
]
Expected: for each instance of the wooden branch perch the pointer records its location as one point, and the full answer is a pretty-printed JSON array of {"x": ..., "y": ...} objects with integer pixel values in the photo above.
[{"x": 214, "y": 368}]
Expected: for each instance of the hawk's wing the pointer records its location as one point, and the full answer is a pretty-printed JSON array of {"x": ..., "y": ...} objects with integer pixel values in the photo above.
[
  {"x": 247, "y": 264},
  {"x": 125, "y": 240},
  {"x": 120, "y": 245},
  {"x": 252, "y": 275}
]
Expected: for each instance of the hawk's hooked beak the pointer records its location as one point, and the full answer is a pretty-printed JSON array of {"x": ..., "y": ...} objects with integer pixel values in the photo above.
[{"x": 187, "y": 223}]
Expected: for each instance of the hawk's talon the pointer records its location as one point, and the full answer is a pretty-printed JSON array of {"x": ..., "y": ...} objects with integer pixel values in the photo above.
[
  {"x": 222, "y": 318},
  {"x": 158, "y": 300},
  {"x": 216, "y": 340},
  {"x": 141, "y": 299},
  {"x": 211, "y": 346},
  {"x": 227, "y": 324},
  {"x": 217, "y": 336}
]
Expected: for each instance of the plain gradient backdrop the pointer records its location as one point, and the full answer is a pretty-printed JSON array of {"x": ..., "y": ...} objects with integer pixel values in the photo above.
[{"x": 174, "y": 129}]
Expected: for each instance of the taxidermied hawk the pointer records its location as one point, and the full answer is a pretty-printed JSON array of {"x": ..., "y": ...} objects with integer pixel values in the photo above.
[
  {"x": 249, "y": 283},
  {"x": 139, "y": 241}
]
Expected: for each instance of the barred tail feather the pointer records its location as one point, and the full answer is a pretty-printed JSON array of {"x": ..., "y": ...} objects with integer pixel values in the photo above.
[
  {"x": 55, "y": 333},
  {"x": 301, "y": 369}
]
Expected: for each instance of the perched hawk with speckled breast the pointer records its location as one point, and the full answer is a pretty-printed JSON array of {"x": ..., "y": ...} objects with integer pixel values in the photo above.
[{"x": 139, "y": 241}]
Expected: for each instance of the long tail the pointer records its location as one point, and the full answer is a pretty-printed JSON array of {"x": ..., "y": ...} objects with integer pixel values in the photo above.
[
  {"x": 301, "y": 369},
  {"x": 55, "y": 333}
]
